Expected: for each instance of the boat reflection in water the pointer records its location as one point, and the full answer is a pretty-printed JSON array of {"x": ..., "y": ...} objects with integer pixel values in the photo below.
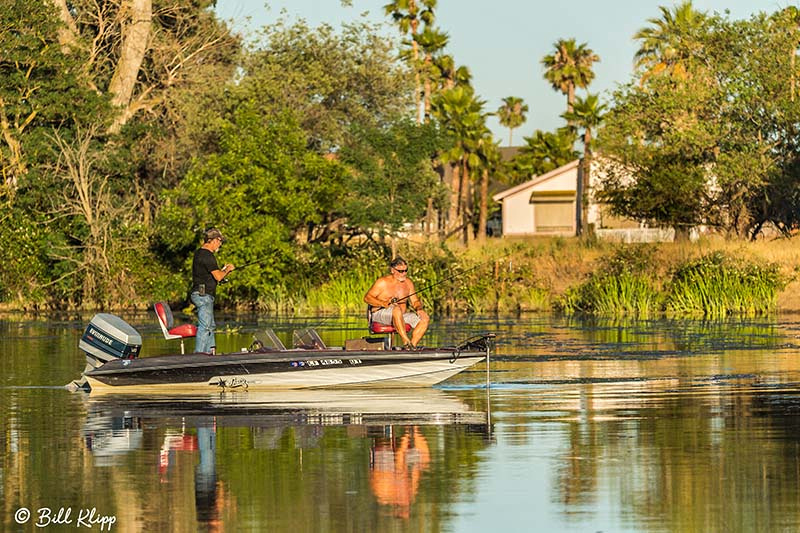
[{"x": 378, "y": 433}]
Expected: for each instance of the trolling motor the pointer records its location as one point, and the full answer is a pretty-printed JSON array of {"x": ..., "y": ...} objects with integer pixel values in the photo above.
[{"x": 107, "y": 337}]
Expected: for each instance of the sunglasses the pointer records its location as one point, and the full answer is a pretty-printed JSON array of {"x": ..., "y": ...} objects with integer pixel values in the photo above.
[{"x": 402, "y": 271}]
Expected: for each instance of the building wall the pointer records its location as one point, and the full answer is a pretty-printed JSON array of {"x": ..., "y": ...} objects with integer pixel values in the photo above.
[{"x": 518, "y": 211}]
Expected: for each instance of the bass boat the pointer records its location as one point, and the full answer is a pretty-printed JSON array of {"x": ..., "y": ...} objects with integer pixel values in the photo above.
[{"x": 113, "y": 364}]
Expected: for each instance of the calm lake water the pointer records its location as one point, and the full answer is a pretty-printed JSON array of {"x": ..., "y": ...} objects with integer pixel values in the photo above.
[{"x": 588, "y": 425}]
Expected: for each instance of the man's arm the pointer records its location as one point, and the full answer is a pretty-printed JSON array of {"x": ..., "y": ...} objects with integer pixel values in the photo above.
[
  {"x": 415, "y": 302},
  {"x": 222, "y": 272},
  {"x": 374, "y": 295}
]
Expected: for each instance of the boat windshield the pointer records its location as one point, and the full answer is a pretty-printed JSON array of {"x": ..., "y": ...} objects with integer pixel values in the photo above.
[{"x": 307, "y": 339}]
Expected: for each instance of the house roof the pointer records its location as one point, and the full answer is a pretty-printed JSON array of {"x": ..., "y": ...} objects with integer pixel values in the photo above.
[
  {"x": 509, "y": 152},
  {"x": 536, "y": 180}
]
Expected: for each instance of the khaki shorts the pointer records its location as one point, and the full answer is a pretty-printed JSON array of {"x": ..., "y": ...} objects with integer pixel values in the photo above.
[{"x": 384, "y": 316}]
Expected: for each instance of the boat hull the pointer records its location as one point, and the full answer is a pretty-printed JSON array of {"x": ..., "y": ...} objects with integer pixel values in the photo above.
[{"x": 289, "y": 369}]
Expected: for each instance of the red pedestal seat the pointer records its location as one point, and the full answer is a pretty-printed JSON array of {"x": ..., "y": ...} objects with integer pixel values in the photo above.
[{"x": 168, "y": 327}]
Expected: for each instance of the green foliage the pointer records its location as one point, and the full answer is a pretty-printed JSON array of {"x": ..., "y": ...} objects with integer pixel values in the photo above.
[
  {"x": 543, "y": 152},
  {"x": 263, "y": 190},
  {"x": 707, "y": 134},
  {"x": 392, "y": 176},
  {"x": 623, "y": 286},
  {"x": 713, "y": 286},
  {"x": 716, "y": 285},
  {"x": 328, "y": 80},
  {"x": 569, "y": 66},
  {"x": 512, "y": 114}
]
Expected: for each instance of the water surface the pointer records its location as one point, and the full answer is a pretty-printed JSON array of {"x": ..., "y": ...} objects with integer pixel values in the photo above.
[{"x": 587, "y": 425}]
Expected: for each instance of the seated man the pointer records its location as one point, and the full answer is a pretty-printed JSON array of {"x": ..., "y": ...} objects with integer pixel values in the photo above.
[{"x": 390, "y": 297}]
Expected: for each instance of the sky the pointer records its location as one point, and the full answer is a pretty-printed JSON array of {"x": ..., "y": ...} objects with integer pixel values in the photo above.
[{"x": 503, "y": 41}]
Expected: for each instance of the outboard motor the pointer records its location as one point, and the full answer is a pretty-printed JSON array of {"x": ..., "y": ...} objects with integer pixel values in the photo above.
[{"x": 107, "y": 337}]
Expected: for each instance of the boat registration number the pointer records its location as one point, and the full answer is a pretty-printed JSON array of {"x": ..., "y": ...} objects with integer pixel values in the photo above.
[{"x": 324, "y": 362}]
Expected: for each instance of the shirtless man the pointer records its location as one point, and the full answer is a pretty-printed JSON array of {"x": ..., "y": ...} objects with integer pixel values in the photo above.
[{"x": 391, "y": 299}]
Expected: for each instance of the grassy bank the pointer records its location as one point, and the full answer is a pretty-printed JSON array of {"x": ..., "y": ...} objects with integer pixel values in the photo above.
[
  {"x": 711, "y": 278},
  {"x": 708, "y": 278}
]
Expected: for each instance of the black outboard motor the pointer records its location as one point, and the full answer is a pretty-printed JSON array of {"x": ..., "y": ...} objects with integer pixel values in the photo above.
[{"x": 107, "y": 337}]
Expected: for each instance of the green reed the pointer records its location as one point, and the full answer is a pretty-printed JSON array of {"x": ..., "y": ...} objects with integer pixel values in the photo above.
[
  {"x": 716, "y": 285},
  {"x": 342, "y": 294},
  {"x": 613, "y": 294},
  {"x": 622, "y": 286}
]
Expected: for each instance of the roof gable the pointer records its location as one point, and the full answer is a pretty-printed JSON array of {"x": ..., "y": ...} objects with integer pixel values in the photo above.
[{"x": 536, "y": 180}]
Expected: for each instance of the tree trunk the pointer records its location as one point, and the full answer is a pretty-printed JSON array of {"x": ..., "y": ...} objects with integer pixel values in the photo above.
[
  {"x": 67, "y": 35},
  {"x": 17, "y": 167},
  {"x": 570, "y": 97},
  {"x": 465, "y": 211},
  {"x": 427, "y": 100},
  {"x": 585, "y": 182},
  {"x": 455, "y": 184},
  {"x": 137, "y": 18},
  {"x": 579, "y": 202},
  {"x": 483, "y": 216},
  {"x": 682, "y": 233},
  {"x": 415, "y": 53}
]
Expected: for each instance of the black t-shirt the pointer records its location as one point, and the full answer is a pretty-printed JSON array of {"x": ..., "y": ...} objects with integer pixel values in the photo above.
[{"x": 202, "y": 265}]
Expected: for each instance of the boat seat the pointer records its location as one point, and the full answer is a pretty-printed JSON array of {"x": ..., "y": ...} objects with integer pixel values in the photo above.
[
  {"x": 383, "y": 329},
  {"x": 168, "y": 327}
]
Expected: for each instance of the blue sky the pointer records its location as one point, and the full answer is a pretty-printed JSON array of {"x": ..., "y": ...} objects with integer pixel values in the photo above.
[{"x": 503, "y": 41}]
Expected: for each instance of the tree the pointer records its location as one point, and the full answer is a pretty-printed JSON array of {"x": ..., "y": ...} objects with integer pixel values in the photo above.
[
  {"x": 587, "y": 114},
  {"x": 463, "y": 120},
  {"x": 139, "y": 50},
  {"x": 265, "y": 189},
  {"x": 542, "y": 152},
  {"x": 408, "y": 14},
  {"x": 512, "y": 114},
  {"x": 392, "y": 177},
  {"x": 671, "y": 42},
  {"x": 328, "y": 79},
  {"x": 570, "y": 66},
  {"x": 490, "y": 161},
  {"x": 92, "y": 93},
  {"x": 39, "y": 90},
  {"x": 431, "y": 42},
  {"x": 716, "y": 146}
]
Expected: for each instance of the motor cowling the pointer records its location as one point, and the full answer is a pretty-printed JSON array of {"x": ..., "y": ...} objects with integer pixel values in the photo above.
[{"x": 108, "y": 337}]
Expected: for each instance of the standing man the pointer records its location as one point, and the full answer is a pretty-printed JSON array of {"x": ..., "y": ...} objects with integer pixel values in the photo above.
[
  {"x": 205, "y": 276},
  {"x": 392, "y": 297}
]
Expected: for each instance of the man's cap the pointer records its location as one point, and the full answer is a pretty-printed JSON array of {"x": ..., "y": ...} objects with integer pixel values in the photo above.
[{"x": 213, "y": 233}]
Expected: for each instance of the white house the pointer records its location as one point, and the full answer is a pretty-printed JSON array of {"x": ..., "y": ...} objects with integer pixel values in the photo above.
[{"x": 546, "y": 205}]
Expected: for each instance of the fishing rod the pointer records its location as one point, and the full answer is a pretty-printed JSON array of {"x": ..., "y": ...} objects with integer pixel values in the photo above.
[
  {"x": 251, "y": 263},
  {"x": 450, "y": 278}
]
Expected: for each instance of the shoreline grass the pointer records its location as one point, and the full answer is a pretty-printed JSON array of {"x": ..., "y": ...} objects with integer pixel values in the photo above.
[{"x": 708, "y": 278}]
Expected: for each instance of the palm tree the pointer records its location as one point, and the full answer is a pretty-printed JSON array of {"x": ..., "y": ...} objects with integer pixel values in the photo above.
[
  {"x": 587, "y": 113},
  {"x": 431, "y": 41},
  {"x": 447, "y": 74},
  {"x": 461, "y": 115},
  {"x": 489, "y": 155},
  {"x": 671, "y": 42},
  {"x": 570, "y": 66},
  {"x": 544, "y": 151},
  {"x": 512, "y": 114},
  {"x": 408, "y": 14}
]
